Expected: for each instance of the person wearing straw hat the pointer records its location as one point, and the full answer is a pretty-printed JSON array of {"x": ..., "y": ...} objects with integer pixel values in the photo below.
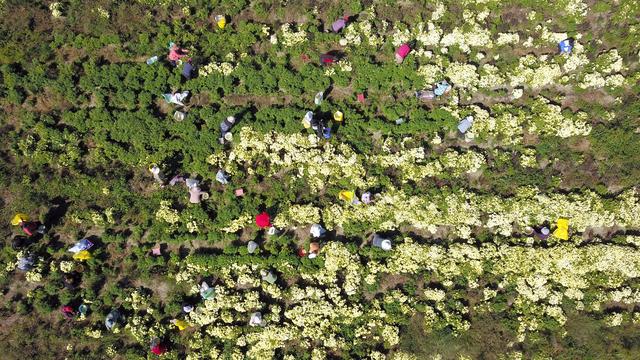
[{"x": 338, "y": 116}]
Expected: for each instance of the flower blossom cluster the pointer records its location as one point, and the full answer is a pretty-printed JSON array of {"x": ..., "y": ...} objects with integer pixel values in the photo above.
[
  {"x": 224, "y": 68},
  {"x": 167, "y": 214},
  {"x": 292, "y": 38}
]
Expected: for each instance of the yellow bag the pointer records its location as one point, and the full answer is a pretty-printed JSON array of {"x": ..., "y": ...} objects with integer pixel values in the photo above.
[
  {"x": 221, "y": 21},
  {"x": 346, "y": 195},
  {"x": 562, "y": 232},
  {"x": 82, "y": 255},
  {"x": 18, "y": 218},
  {"x": 181, "y": 324},
  {"x": 338, "y": 116}
]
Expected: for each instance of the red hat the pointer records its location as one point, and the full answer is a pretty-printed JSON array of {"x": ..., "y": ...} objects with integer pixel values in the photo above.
[{"x": 263, "y": 220}]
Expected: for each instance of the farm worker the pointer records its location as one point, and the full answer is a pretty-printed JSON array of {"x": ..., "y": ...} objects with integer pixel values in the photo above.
[
  {"x": 82, "y": 309},
  {"x": 82, "y": 255},
  {"x": 18, "y": 242},
  {"x": 25, "y": 263},
  {"x": 256, "y": 319},
  {"x": 338, "y": 116},
  {"x": 157, "y": 347},
  {"x": 19, "y": 218},
  {"x": 252, "y": 246},
  {"x": 191, "y": 182},
  {"x": 205, "y": 291},
  {"x": 29, "y": 227},
  {"x": 156, "y": 250},
  {"x": 327, "y": 59},
  {"x": 346, "y": 195},
  {"x": 227, "y": 124},
  {"x": 379, "y": 241},
  {"x": 111, "y": 320},
  {"x": 187, "y": 70},
  {"x": 157, "y": 173},
  {"x": 263, "y": 220},
  {"x": 268, "y": 276},
  {"x": 225, "y": 127},
  {"x": 221, "y": 177},
  {"x": 317, "y": 230},
  {"x": 83, "y": 244},
  {"x": 562, "y": 231},
  {"x": 425, "y": 95},
  {"x": 529, "y": 231},
  {"x": 67, "y": 311},
  {"x": 176, "y": 97},
  {"x": 221, "y": 21},
  {"x": 465, "y": 124},
  {"x": 318, "y": 126},
  {"x": 178, "y": 115},
  {"x": 180, "y": 324},
  {"x": 339, "y": 24},
  {"x": 314, "y": 249},
  {"x": 566, "y": 46},
  {"x": 196, "y": 195},
  {"x": 176, "y": 179},
  {"x": 543, "y": 234},
  {"x": 69, "y": 281},
  {"x": 176, "y": 53},
  {"x": 442, "y": 88},
  {"x": 402, "y": 52},
  {"x": 326, "y": 132},
  {"x": 307, "y": 120}
]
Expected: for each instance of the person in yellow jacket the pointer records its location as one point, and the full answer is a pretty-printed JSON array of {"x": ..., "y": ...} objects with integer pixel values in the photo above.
[
  {"x": 180, "y": 324},
  {"x": 562, "y": 231}
]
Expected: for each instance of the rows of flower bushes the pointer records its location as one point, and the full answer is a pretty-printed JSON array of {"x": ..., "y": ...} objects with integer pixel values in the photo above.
[{"x": 554, "y": 136}]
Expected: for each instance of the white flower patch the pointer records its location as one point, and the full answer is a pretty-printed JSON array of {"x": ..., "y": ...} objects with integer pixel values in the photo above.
[
  {"x": 292, "y": 38},
  {"x": 507, "y": 38},
  {"x": 463, "y": 75}
]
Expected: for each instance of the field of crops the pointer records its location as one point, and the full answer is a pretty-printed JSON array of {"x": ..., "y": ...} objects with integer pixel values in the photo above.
[{"x": 273, "y": 179}]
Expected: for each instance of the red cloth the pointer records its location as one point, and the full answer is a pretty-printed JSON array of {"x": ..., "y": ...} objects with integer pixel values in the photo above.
[
  {"x": 159, "y": 349},
  {"x": 361, "y": 98},
  {"x": 263, "y": 220},
  {"x": 403, "y": 50},
  {"x": 67, "y": 311},
  {"x": 327, "y": 59}
]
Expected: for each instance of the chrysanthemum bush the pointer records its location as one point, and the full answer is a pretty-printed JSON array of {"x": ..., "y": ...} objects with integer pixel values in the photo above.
[
  {"x": 464, "y": 210},
  {"x": 543, "y": 280},
  {"x": 459, "y": 251}
]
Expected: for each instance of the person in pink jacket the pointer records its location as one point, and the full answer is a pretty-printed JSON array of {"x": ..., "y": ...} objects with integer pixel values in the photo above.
[
  {"x": 196, "y": 195},
  {"x": 176, "y": 53},
  {"x": 403, "y": 51}
]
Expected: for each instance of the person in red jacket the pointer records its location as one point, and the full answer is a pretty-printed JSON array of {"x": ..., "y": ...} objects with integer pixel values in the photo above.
[
  {"x": 157, "y": 347},
  {"x": 327, "y": 59},
  {"x": 31, "y": 227}
]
